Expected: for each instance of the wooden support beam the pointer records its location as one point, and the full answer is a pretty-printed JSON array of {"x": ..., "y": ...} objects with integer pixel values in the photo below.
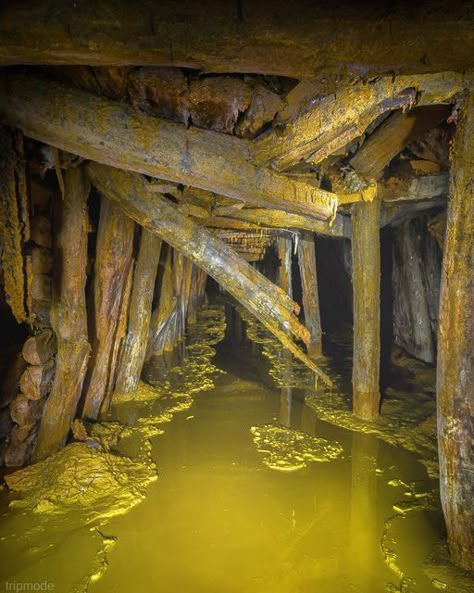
[
  {"x": 397, "y": 214},
  {"x": 391, "y": 137},
  {"x": 411, "y": 304},
  {"x": 110, "y": 133},
  {"x": 68, "y": 314},
  {"x": 414, "y": 188},
  {"x": 144, "y": 277},
  {"x": 455, "y": 372},
  {"x": 374, "y": 155},
  {"x": 310, "y": 291},
  {"x": 14, "y": 223},
  {"x": 285, "y": 255},
  {"x": 266, "y": 301},
  {"x": 366, "y": 291},
  {"x": 270, "y": 218},
  {"x": 264, "y": 37},
  {"x": 166, "y": 307},
  {"x": 113, "y": 260},
  {"x": 338, "y": 119}
]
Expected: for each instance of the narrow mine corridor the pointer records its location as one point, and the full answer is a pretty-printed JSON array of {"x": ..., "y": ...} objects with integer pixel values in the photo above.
[{"x": 236, "y": 297}]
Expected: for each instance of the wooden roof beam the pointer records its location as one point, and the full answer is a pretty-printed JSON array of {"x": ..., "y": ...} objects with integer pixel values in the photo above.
[{"x": 297, "y": 39}]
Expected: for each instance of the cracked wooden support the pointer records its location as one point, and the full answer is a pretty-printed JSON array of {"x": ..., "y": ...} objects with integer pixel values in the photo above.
[
  {"x": 266, "y": 301},
  {"x": 144, "y": 277},
  {"x": 336, "y": 120},
  {"x": 14, "y": 223},
  {"x": 110, "y": 133},
  {"x": 310, "y": 291},
  {"x": 68, "y": 314},
  {"x": 113, "y": 260},
  {"x": 275, "y": 37},
  {"x": 455, "y": 371}
]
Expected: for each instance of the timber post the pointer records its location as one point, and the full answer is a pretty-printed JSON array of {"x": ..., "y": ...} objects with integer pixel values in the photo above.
[
  {"x": 310, "y": 291},
  {"x": 455, "y": 370},
  {"x": 366, "y": 299}
]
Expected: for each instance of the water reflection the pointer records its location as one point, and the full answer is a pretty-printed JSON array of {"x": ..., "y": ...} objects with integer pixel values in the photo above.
[{"x": 364, "y": 546}]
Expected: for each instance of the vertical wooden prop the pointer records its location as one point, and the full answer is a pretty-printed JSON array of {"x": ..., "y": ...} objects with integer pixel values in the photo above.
[
  {"x": 366, "y": 290},
  {"x": 309, "y": 286},
  {"x": 285, "y": 276},
  {"x": 455, "y": 373},
  {"x": 164, "y": 310},
  {"x": 68, "y": 315},
  {"x": 141, "y": 299},
  {"x": 14, "y": 222},
  {"x": 411, "y": 295},
  {"x": 113, "y": 261}
]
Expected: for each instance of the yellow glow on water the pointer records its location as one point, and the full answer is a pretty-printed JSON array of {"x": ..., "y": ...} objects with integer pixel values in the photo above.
[
  {"x": 353, "y": 515},
  {"x": 219, "y": 520}
]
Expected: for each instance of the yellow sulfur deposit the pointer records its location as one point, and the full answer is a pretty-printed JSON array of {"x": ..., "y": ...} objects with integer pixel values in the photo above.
[
  {"x": 287, "y": 450},
  {"x": 80, "y": 477}
]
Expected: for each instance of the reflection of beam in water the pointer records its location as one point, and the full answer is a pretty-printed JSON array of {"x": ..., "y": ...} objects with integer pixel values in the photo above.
[
  {"x": 286, "y": 398},
  {"x": 363, "y": 523}
]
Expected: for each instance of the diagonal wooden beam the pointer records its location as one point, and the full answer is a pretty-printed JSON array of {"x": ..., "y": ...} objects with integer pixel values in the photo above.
[
  {"x": 113, "y": 134},
  {"x": 338, "y": 119},
  {"x": 255, "y": 292}
]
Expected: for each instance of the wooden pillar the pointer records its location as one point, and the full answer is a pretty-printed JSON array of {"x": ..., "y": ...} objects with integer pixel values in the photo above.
[
  {"x": 369, "y": 162},
  {"x": 165, "y": 309},
  {"x": 285, "y": 276},
  {"x": 68, "y": 315},
  {"x": 144, "y": 278},
  {"x": 412, "y": 322},
  {"x": 366, "y": 291},
  {"x": 310, "y": 292},
  {"x": 455, "y": 372},
  {"x": 113, "y": 261}
]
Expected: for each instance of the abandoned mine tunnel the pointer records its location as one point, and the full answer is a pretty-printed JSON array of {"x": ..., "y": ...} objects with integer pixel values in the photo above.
[{"x": 237, "y": 296}]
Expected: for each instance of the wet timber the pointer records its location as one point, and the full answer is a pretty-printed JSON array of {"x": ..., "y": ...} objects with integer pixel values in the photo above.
[
  {"x": 455, "y": 371},
  {"x": 264, "y": 37},
  {"x": 269, "y": 303}
]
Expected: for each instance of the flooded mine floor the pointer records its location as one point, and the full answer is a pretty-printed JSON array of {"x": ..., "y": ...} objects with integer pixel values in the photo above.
[{"x": 254, "y": 494}]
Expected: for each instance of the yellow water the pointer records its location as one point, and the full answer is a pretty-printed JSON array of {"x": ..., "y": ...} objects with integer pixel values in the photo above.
[
  {"x": 220, "y": 520},
  {"x": 234, "y": 510}
]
